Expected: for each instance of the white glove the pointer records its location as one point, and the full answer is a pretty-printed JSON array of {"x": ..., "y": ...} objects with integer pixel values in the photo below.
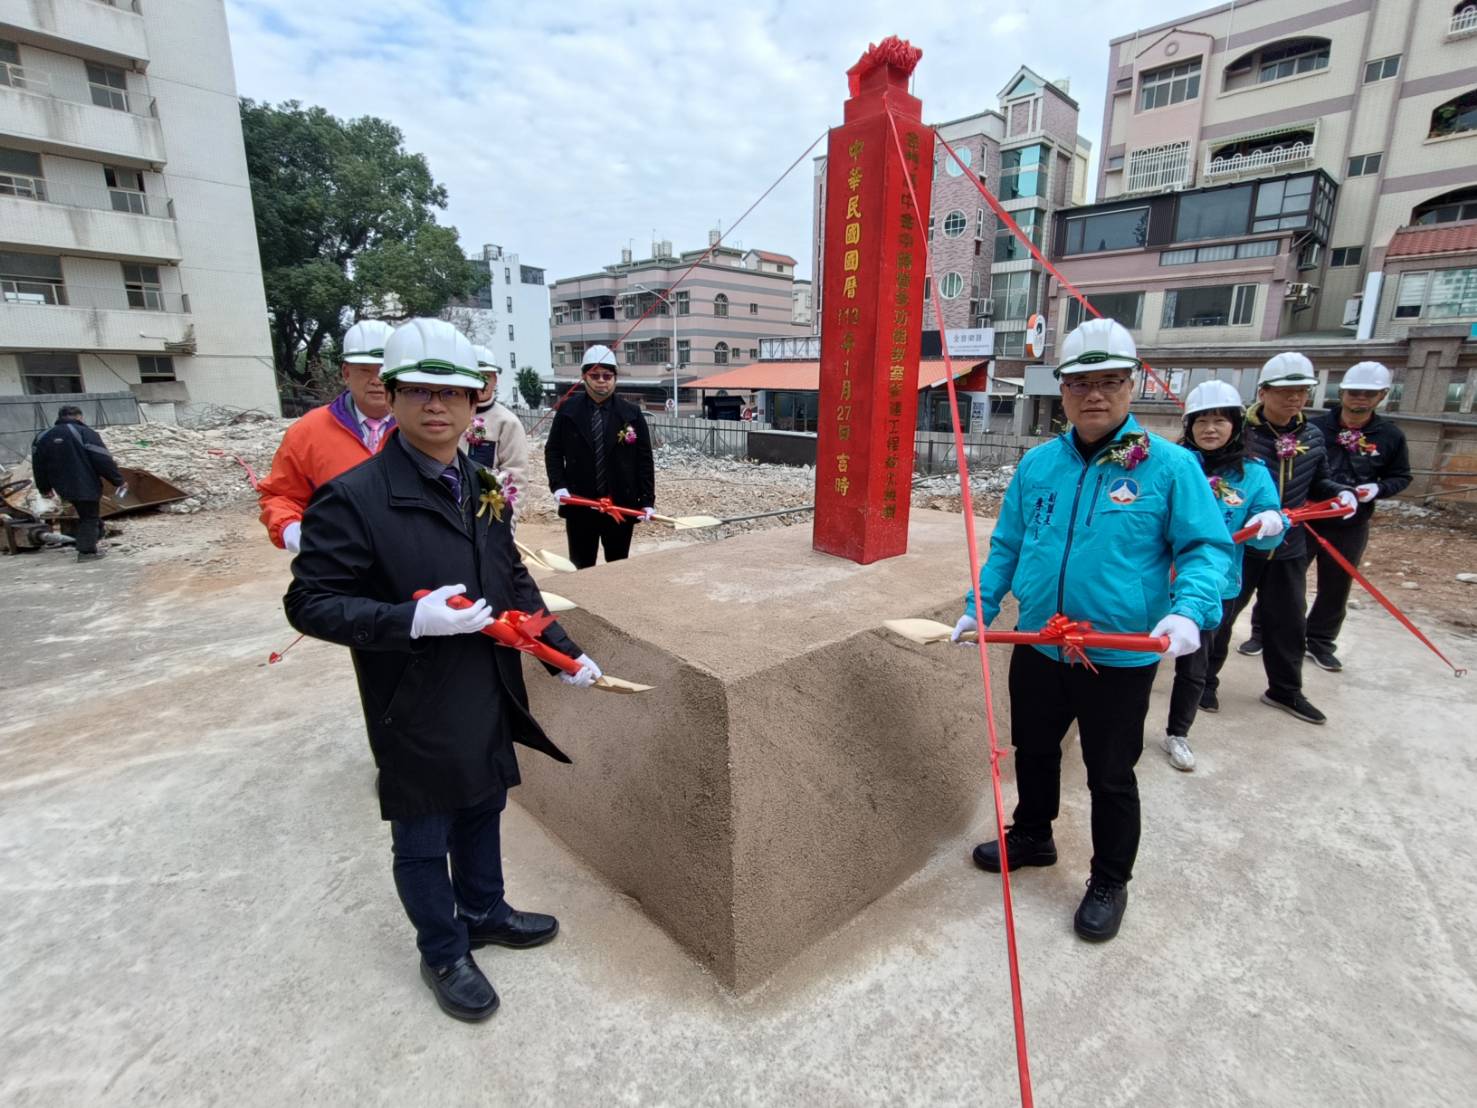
[
  {"x": 589, "y": 673},
  {"x": 966, "y": 623},
  {"x": 561, "y": 495},
  {"x": 1348, "y": 500},
  {"x": 292, "y": 535},
  {"x": 1268, "y": 524},
  {"x": 122, "y": 490},
  {"x": 1366, "y": 493},
  {"x": 433, "y": 616},
  {"x": 1184, "y": 636},
  {"x": 649, "y": 512}
]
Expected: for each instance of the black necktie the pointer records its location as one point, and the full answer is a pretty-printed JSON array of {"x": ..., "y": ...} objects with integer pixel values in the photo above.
[{"x": 597, "y": 426}]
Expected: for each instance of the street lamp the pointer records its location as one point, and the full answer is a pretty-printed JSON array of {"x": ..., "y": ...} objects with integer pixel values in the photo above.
[{"x": 672, "y": 309}]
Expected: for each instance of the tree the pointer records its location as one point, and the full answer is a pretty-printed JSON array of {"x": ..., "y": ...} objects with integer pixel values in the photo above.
[
  {"x": 530, "y": 387},
  {"x": 345, "y": 222}
]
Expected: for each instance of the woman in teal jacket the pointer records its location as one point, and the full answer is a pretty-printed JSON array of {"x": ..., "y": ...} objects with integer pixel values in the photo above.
[{"x": 1245, "y": 494}]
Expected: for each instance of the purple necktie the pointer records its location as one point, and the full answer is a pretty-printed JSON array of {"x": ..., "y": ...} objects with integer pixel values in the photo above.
[{"x": 453, "y": 478}]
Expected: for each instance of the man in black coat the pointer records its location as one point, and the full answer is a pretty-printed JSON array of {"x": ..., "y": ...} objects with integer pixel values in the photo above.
[
  {"x": 1277, "y": 433},
  {"x": 443, "y": 704},
  {"x": 69, "y": 459},
  {"x": 599, "y": 446},
  {"x": 1369, "y": 453}
]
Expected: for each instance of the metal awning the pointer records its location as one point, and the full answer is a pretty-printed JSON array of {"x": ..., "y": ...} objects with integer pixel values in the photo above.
[{"x": 1267, "y": 132}]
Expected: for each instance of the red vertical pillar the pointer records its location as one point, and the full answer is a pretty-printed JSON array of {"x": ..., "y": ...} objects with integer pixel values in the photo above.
[{"x": 873, "y": 310}]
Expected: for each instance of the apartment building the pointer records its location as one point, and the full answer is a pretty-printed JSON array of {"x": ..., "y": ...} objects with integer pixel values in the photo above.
[
  {"x": 508, "y": 314},
  {"x": 804, "y": 308},
  {"x": 128, "y": 254},
  {"x": 715, "y": 317},
  {"x": 1029, "y": 154},
  {"x": 1268, "y": 172}
]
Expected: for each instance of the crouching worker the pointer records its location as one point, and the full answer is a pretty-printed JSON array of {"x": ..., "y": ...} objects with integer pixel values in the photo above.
[
  {"x": 443, "y": 704},
  {"x": 1090, "y": 525}
]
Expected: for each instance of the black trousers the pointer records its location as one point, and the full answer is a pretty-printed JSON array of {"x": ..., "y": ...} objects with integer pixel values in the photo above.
[
  {"x": 1280, "y": 586},
  {"x": 588, "y": 530},
  {"x": 439, "y": 904},
  {"x": 1109, "y": 707},
  {"x": 1189, "y": 681},
  {"x": 89, "y": 527},
  {"x": 1326, "y": 616}
]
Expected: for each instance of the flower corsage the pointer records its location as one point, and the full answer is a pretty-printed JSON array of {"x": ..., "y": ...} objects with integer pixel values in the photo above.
[
  {"x": 1355, "y": 443},
  {"x": 498, "y": 493},
  {"x": 626, "y": 435},
  {"x": 1289, "y": 447},
  {"x": 1223, "y": 490},
  {"x": 477, "y": 433},
  {"x": 1128, "y": 451}
]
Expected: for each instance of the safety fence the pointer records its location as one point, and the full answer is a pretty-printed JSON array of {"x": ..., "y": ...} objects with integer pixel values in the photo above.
[{"x": 21, "y": 417}]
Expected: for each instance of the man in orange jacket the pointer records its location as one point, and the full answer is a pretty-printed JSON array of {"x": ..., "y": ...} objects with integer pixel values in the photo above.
[{"x": 329, "y": 440}]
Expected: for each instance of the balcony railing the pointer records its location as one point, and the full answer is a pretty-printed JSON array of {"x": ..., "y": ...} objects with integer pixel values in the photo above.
[
  {"x": 1463, "y": 23},
  {"x": 1158, "y": 168},
  {"x": 50, "y": 294},
  {"x": 85, "y": 196},
  {"x": 77, "y": 90},
  {"x": 1258, "y": 160}
]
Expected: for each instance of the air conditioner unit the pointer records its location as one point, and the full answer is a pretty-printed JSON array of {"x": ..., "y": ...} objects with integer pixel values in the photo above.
[
  {"x": 1352, "y": 307},
  {"x": 1300, "y": 291},
  {"x": 982, "y": 306}
]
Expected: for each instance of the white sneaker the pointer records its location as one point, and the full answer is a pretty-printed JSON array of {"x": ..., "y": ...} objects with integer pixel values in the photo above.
[{"x": 1178, "y": 749}]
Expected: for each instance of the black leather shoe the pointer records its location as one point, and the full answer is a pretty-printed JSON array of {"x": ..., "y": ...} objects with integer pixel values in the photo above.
[
  {"x": 1325, "y": 659},
  {"x": 521, "y": 929},
  {"x": 91, "y": 556},
  {"x": 1022, "y": 849},
  {"x": 1210, "y": 701},
  {"x": 461, "y": 989},
  {"x": 1251, "y": 647},
  {"x": 1101, "y": 912},
  {"x": 1299, "y": 706}
]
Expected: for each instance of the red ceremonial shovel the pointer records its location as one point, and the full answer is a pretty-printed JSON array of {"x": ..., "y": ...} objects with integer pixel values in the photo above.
[{"x": 518, "y": 630}]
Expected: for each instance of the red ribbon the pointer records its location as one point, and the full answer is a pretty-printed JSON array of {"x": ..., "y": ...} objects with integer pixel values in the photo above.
[
  {"x": 1075, "y": 637},
  {"x": 606, "y": 505},
  {"x": 518, "y": 631},
  {"x": 1326, "y": 509}
]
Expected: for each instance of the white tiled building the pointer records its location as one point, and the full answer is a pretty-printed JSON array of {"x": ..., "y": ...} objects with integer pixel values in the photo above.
[{"x": 510, "y": 316}]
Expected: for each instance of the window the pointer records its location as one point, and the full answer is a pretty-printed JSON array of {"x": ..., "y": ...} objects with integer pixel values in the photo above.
[
  {"x": 48, "y": 374},
  {"x": 1023, "y": 173},
  {"x": 1455, "y": 388},
  {"x": 109, "y": 86},
  {"x": 1155, "y": 168},
  {"x": 951, "y": 167},
  {"x": 951, "y": 285},
  {"x": 753, "y": 353},
  {"x": 720, "y": 354},
  {"x": 683, "y": 304},
  {"x": 510, "y": 304},
  {"x": 1301, "y": 56},
  {"x": 1264, "y": 248},
  {"x": 1158, "y": 88},
  {"x": 1283, "y": 205},
  {"x": 512, "y": 360},
  {"x": 31, "y": 279},
  {"x": 684, "y": 352},
  {"x": 1115, "y": 163},
  {"x": 927, "y": 288},
  {"x": 531, "y": 275},
  {"x": 930, "y": 228},
  {"x": 510, "y": 332},
  {"x": 155, "y": 367},
  {"x": 720, "y": 306},
  {"x": 1453, "y": 292},
  {"x": 954, "y": 224},
  {"x": 1125, "y": 229},
  {"x": 1008, "y": 246},
  {"x": 1213, "y": 306},
  {"x": 1363, "y": 165},
  {"x": 1381, "y": 69},
  {"x": 979, "y": 223},
  {"x": 1456, "y": 116},
  {"x": 1014, "y": 295},
  {"x": 1448, "y": 207},
  {"x": 144, "y": 289},
  {"x": 1284, "y": 147},
  {"x": 753, "y": 308},
  {"x": 1125, "y": 307},
  {"x": 1342, "y": 256},
  {"x": 1410, "y": 295},
  {"x": 1010, "y": 344},
  {"x": 507, "y": 275},
  {"x": 20, "y": 174},
  {"x": 1212, "y": 215}
]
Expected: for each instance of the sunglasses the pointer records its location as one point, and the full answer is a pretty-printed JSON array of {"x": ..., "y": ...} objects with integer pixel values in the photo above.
[{"x": 600, "y": 376}]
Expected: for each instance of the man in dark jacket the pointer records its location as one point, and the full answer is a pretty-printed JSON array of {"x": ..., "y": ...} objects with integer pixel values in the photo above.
[
  {"x": 442, "y": 704},
  {"x": 1280, "y": 435},
  {"x": 69, "y": 459},
  {"x": 599, "y": 446},
  {"x": 1369, "y": 453}
]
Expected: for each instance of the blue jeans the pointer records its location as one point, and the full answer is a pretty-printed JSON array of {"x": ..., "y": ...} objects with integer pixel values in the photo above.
[{"x": 439, "y": 903}]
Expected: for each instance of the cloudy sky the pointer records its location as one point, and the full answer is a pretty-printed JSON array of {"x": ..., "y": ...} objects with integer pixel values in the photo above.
[{"x": 565, "y": 130}]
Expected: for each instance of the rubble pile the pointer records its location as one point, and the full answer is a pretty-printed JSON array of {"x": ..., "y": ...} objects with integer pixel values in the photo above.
[{"x": 183, "y": 456}]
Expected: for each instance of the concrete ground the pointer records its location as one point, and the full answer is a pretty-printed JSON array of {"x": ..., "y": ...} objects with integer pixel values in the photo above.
[{"x": 198, "y": 906}]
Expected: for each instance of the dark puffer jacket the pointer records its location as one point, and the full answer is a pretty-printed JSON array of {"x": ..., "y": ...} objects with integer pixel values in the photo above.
[
  {"x": 1382, "y": 460},
  {"x": 1300, "y": 476},
  {"x": 69, "y": 458}
]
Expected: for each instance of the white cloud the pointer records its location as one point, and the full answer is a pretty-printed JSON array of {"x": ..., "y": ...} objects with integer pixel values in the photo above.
[{"x": 564, "y": 131}]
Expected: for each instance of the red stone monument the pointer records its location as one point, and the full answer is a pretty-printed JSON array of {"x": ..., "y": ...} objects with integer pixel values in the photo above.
[{"x": 872, "y": 309}]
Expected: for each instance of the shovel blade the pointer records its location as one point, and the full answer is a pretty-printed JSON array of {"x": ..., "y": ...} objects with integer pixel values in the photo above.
[
  {"x": 923, "y": 631},
  {"x": 692, "y": 523},
  {"x": 615, "y": 684},
  {"x": 557, "y": 562},
  {"x": 553, "y": 602}
]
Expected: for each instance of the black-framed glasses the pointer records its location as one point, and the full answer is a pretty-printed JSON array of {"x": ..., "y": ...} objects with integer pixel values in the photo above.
[
  {"x": 1107, "y": 387},
  {"x": 600, "y": 376},
  {"x": 420, "y": 394}
]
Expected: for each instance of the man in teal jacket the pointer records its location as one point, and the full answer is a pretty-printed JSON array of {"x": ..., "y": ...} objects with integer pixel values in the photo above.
[{"x": 1090, "y": 526}]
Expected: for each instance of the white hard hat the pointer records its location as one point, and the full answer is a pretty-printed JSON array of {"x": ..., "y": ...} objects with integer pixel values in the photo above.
[
  {"x": 431, "y": 352},
  {"x": 1209, "y": 395},
  {"x": 1098, "y": 344},
  {"x": 1366, "y": 375},
  {"x": 484, "y": 360},
  {"x": 1286, "y": 371},
  {"x": 598, "y": 355},
  {"x": 364, "y": 343}
]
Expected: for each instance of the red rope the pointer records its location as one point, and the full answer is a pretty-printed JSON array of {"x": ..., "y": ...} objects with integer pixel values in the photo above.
[
  {"x": 1374, "y": 592},
  {"x": 1004, "y": 216},
  {"x": 1023, "y": 1064}
]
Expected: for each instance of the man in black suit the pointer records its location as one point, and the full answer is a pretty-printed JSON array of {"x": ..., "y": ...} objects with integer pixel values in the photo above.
[
  {"x": 442, "y": 704},
  {"x": 599, "y": 446}
]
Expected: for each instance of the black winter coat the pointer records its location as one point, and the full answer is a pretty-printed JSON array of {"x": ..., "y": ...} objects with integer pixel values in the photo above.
[
  {"x": 68, "y": 458},
  {"x": 569, "y": 455},
  {"x": 440, "y": 711},
  {"x": 1301, "y": 477},
  {"x": 1388, "y": 467}
]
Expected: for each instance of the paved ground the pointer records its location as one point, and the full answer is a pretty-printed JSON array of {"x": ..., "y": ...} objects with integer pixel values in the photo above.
[{"x": 199, "y": 910}]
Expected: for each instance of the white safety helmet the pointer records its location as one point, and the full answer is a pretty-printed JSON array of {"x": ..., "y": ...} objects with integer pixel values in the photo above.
[
  {"x": 1287, "y": 370},
  {"x": 484, "y": 360},
  {"x": 598, "y": 355},
  {"x": 1097, "y": 345},
  {"x": 1366, "y": 375},
  {"x": 364, "y": 343},
  {"x": 431, "y": 352},
  {"x": 1210, "y": 395}
]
